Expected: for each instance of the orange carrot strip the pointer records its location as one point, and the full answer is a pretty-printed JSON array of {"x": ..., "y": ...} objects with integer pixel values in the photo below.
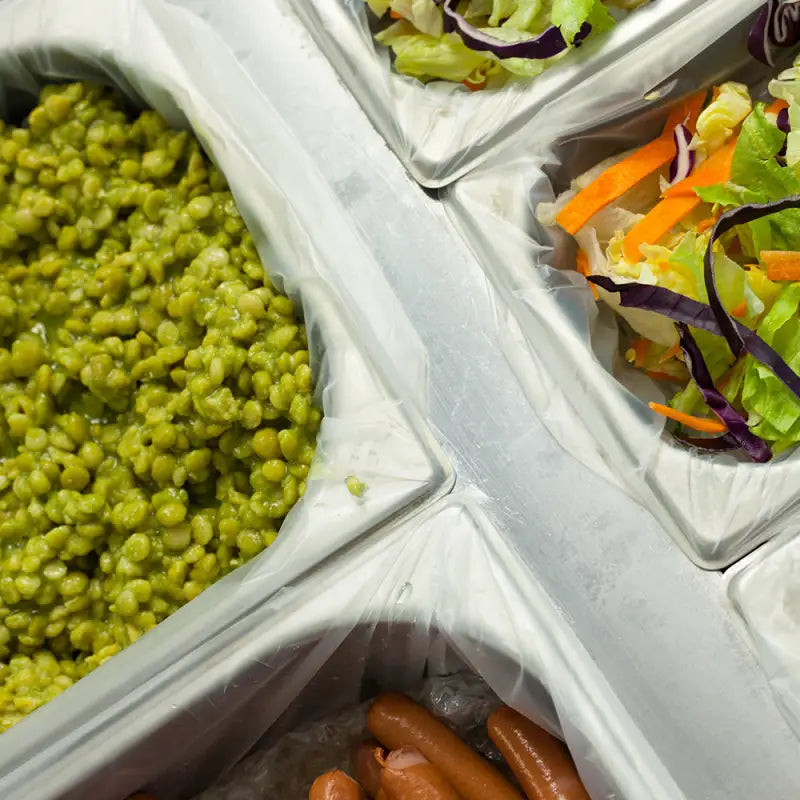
[
  {"x": 474, "y": 87},
  {"x": 582, "y": 265},
  {"x": 394, "y": 15},
  {"x": 673, "y": 351},
  {"x": 625, "y": 174},
  {"x": 776, "y": 107},
  {"x": 664, "y": 216},
  {"x": 679, "y": 201},
  {"x": 695, "y": 423},
  {"x": 640, "y": 348},
  {"x": 740, "y": 310},
  {"x": 705, "y": 224},
  {"x": 716, "y": 169},
  {"x": 782, "y": 265},
  {"x": 664, "y": 376}
]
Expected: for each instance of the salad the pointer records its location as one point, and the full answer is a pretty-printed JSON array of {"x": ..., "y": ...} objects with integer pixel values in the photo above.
[
  {"x": 483, "y": 42},
  {"x": 694, "y": 240}
]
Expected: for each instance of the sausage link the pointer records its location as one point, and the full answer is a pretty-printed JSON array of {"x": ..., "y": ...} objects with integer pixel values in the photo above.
[
  {"x": 540, "y": 762},
  {"x": 365, "y": 767},
  {"x": 408, "y": 775},
  {"x": 397, "y": 721},
  {"x": 335, "y": 785}
]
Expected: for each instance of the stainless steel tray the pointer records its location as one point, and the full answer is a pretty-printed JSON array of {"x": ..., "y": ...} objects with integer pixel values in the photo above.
[
  {"x": 373, "y": 428},
  {"x": 655, "y": 627},
  {"x": 440, "y": 131},
  {"x": 321, "y": 643},
  {"x": 717, "y": 507}
]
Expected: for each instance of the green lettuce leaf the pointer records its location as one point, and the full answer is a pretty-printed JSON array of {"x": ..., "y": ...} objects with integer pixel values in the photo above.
[
  {"x": 529, "y": 15},
  {"x": 501, "y": 9},
  {"x": 721, "y": 194},
  {"x": 425, "y": 57},
  {"x": 569, "y": 16},
  {"x": 775, "y": 408},
  {"x": 757, "y": 177}
]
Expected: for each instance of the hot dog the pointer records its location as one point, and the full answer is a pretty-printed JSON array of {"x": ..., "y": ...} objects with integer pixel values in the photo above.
[
  {"x": 397, "y": 721},
  {"x": 408, "y": 775},
  {"x": 365, "y": 767},
  {"x": 540, "y": 762},
  {"x": 335, "y": 785}
]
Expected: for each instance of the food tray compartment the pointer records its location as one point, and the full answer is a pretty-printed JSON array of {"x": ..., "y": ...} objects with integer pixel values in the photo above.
[
  {"x": 373, "y": 430},
  {"x": 561, "y": 344},
  {"x": 764, "y": 593},
  {"x": 325, "y": 643},
  {"x": 441, "y": 130}
]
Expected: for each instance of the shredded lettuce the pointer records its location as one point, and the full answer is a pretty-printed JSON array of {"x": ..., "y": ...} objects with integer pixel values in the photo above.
[
  {"x": 423, "y": 50},
  {"x": 765, "y": 396},
  {"x": 570, "y": 15},
  {"x": 758, "y": 177},
  {"x": 425, "y": 57},
  {"x": 721, "y": 117}
]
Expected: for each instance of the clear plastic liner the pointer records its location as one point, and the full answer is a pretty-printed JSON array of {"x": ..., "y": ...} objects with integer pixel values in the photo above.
[
  {"x": 441, "y": 130},
  {"x": 390, "y": 614},
  {"x": 373, "y": 428},
  {"x": 764, "y": 592},
  {"x": 564, "y": 346},
  {"x": 288, "y": 767}
]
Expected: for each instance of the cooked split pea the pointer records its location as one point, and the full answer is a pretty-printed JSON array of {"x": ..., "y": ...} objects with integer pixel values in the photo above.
[{"x": 157, "y": 416}]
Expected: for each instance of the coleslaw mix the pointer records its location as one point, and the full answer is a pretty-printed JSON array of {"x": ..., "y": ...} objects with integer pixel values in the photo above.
[
  {"x": 484, "y": 42},
  {"x": 694, "y": 240}
]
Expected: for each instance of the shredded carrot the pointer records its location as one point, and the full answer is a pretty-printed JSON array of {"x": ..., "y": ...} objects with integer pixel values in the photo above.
[
  {"x": 782, "y": 265},
  {"x": 716, "y": 169},
  {"x": 740, "y": 310},
  {"x": 625, "y": 174},
  {"x": 582, "y": 266},
  {"x": 673, "y": 351},
  {"x": 679, "y": 201},
  {"x": 695, "y": 423},
  {"x": 776, "y": 107},
  {"x": 664, "y": 376},
  {"x": 705, "y": 224},
  {"x": 474, "y": 87},
  {"x": 664, "y": 216},
  {"x": 394, "y": 15},
  {"x": 640, "y": 348}
]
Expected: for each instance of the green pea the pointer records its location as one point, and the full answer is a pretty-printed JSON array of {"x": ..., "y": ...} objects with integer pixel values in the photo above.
[
  {"x": 155, "y": 388},
  {"x": 274, "y": 470},
  {"x": 91, "y": 454},
  {"x": 266, "y": 443},
  {"x": 76, "y": 478},
  {"x": 137, "y": 547},
  {"x": 126, "y": 604}
]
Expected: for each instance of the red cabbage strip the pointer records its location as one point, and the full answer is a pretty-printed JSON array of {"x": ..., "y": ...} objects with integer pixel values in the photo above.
[
  {"x": 750, "y": 212},
  {"x": 698, "y": 315},
  {"x": 783, "y": 121},
  {"x": 777, "y": 25},
  {"x": 683, "y": 163},
  {"x": 755, "y": 447},
  {"x": 548, "y": 44},
  {"x": 784, "y": 126}
]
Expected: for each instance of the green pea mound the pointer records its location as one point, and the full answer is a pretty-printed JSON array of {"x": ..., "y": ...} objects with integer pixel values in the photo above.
[{"x": 157, "y": 414}]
